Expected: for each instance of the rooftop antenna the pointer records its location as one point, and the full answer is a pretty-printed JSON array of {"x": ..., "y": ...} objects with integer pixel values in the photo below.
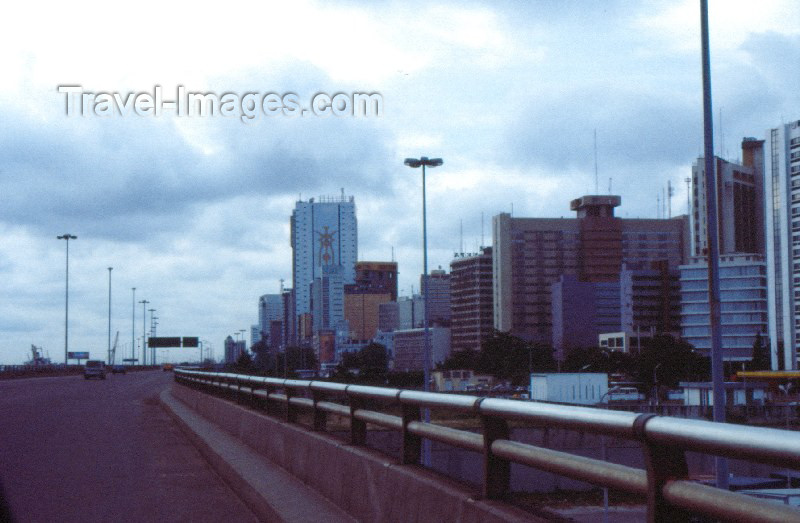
[
  {"x": 609, "y": 185},
  {"x": 596, "y": 182},
  {"x": 281, "y": 285},
  {"x": 392, "y": 252},
  {"x": 721, "y": 136},
  {"x": 512, "y": 209}
]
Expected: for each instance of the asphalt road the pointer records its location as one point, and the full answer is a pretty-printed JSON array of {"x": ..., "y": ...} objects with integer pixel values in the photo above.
[{"x": 78, "y": 450}]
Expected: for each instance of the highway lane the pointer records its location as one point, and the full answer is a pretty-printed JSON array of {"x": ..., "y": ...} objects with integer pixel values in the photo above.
[{"x": 78, "y": 450}]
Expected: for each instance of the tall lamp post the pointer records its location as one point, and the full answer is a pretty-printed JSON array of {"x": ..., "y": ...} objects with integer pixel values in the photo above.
[
  {"x": 717, "y": 370},
  {"x": 144, "y": 333},
  {"x": 415, "y": 163},
  {"x": 133, "y": 326},
  {"x": 68, "y": 237},
  {"x": 109, "y": 315}
]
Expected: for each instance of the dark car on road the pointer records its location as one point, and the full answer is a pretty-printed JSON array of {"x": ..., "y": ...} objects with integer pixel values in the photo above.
[
  {"x": 94, "y": 369},
  {"x": 118, "y": 369}
]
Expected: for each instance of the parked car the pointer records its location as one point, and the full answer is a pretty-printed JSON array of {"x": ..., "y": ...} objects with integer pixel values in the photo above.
[
  {"x": 118, "y": 369},
  {"x": 94, "y": 369}
]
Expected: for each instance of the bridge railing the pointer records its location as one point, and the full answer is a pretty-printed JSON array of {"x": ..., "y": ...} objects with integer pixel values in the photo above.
[{"x": 664, "y": 483}]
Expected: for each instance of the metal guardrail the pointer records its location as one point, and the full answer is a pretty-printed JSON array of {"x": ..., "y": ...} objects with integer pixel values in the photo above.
[{"x": 665, "y": 483}]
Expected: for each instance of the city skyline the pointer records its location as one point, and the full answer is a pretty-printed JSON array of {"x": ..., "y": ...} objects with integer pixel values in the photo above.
[{"x": 193, "y": 212}]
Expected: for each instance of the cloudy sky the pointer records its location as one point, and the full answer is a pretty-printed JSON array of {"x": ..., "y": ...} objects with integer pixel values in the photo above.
[{"x": 194, "y": 211}]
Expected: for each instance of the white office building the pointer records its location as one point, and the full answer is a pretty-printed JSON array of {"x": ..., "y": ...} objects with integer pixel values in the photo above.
[
  {"x": 743, "y": 304},
  {"x": 782, "y": 190}
]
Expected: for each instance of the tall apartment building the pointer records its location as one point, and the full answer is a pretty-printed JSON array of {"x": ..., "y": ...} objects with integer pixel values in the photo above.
[
  {"x": 740, "y": 211},
  {"x": 323, "y": 233},
  {"x": 782, "y": 187},
  {"x": 530, "y": 254},
  {"x": 743, "y": 304},
  {"x": 471, "y": 300},
  {"x": 438, "y": 296}
]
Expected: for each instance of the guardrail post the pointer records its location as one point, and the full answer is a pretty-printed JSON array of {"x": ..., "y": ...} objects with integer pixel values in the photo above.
[
  {"x": 291, "y": 412},
  {"x": 412, "y": 444},
  {"x": 267, "y": 403},
  {"x": 358, "y": 428},
  {"x": 663, "y": 464},
  {"x": 496, "y": 471},
  {"x": 320, "y": 416}
]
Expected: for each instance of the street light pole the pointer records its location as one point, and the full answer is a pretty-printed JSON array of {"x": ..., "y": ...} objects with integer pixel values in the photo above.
[
  {"x": 426, "y": 352},
  {"x": 68, "y": 237},
  {"x": 717, "y": 370},
  {"x": 144, "y": 333},
  {"x": 109, "y": 314},
  {"x": 133, "y": 327}
]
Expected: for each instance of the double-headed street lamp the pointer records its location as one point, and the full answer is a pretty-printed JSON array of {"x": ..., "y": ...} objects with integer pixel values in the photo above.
[
  {"x": 68, "y": 237},
  {"x": 426, "y": 365},
  {"x": 426, "y": 350}
]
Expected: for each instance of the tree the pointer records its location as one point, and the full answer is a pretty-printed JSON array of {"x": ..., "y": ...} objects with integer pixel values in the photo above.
[
  {"x": 297, "y": 358},
  {"x": 761, "y": 359},
  {"x": 463, "y": 359},
  {"x": 370, "y": 364},
  {"x": 509, "y": 357},
  {"x": 666, "y": 361},
  {"x": 244, "y": 362}
]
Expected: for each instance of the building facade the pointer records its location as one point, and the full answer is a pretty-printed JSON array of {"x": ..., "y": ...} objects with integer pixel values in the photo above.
[
  {"x": 409, "y": 348},
  {"x": 743, "y": 304},
  {"x": 471, "y": 300},
  {"x": 530, "y": 254},
  {"x": 740, "y": 211},
  {"x": 782, "y": 188},
  {"x": 324, "y": 232},
  {"x": 437, "y": 295}
]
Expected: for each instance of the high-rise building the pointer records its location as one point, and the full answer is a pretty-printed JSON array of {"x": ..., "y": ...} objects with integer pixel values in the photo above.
[
  {"x": 581, "y": 311},
  {"x": 379, "y": 277},
  {"x": 743, "y": 304},
  {"x": 530, "y": 254},
  {"x": 650, "y": 297},
  {"x": 327, "y": 302},
  {"x": 234, "y": 349},
  {"x": 270, "y": 308},
  {"x": 361, "y": 311},
  {"x": 471, "y": 300},
  {"x": 782, "y": 188},
  {"x": 323, "y": 233},
  {"x": 289, "y": 322},
  {"x": 438, "y": 297},
  {"x": 740, "y": 211},
  {"x": 376, "y": 284}
]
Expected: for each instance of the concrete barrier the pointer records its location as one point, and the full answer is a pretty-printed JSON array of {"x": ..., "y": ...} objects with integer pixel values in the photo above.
[{"x": 365, "y": 484}]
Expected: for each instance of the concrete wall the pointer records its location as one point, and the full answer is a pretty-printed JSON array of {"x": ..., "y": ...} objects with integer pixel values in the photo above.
[{"x": 364, "y": 483}]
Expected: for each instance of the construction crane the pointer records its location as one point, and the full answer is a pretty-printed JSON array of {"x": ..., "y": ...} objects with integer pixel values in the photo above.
[{"x": 36, "y": 356}]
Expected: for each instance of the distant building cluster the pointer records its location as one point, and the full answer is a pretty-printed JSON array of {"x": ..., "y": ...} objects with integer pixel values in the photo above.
[{"x": 595, "y": 279}]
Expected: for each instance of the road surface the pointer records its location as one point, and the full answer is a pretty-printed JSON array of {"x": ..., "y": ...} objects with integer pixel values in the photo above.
[{"x": 103, "y": 450}]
